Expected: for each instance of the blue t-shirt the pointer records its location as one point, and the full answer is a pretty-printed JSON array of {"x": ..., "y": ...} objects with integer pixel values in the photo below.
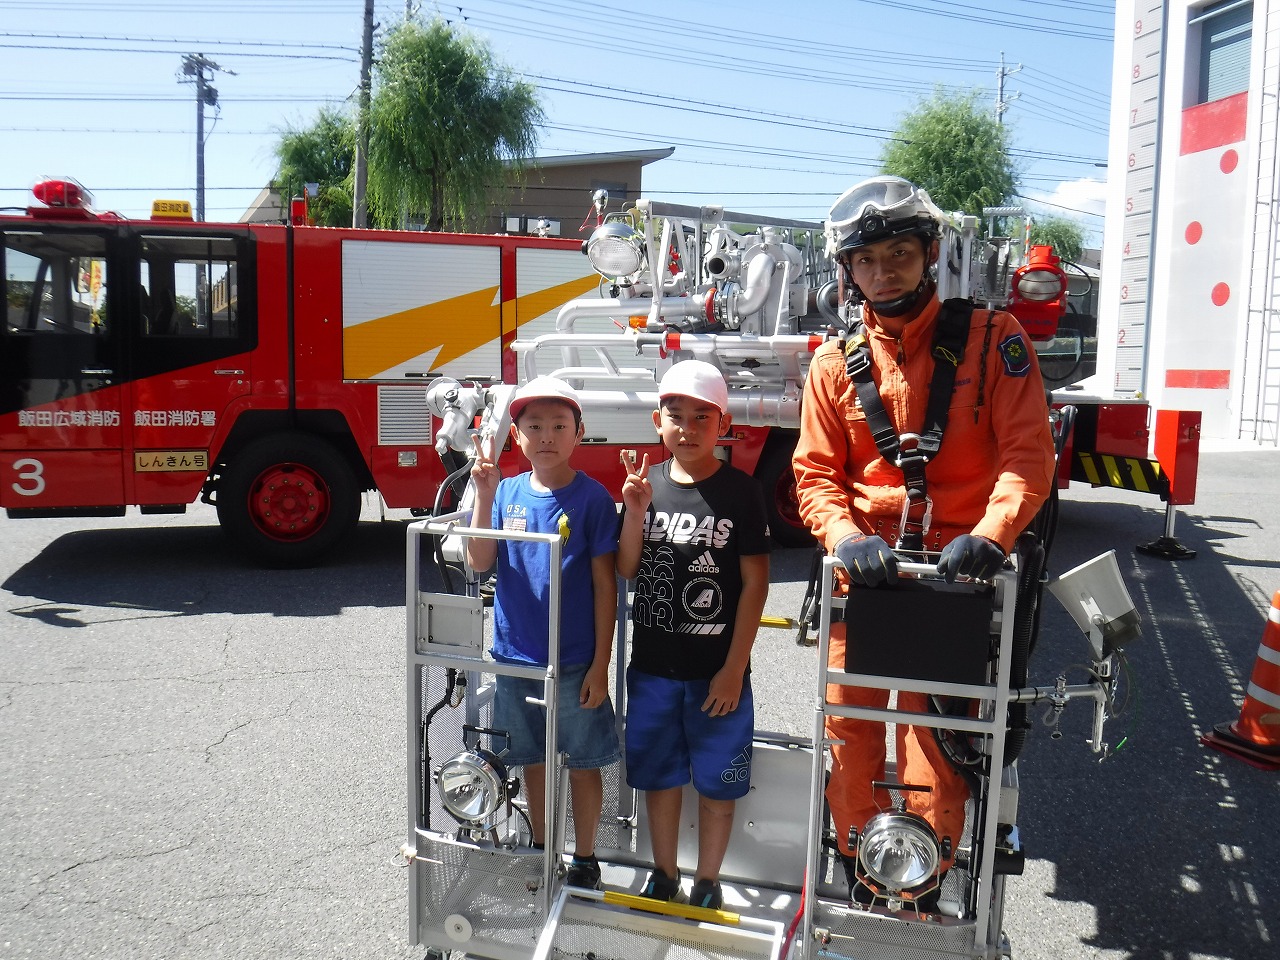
[{"x": 524, "y": 573}]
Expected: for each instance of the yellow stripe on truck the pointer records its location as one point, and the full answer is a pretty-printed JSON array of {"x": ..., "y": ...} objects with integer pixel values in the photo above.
[
  {"x": 455, "y": 326},
  {"x": 450, "y": 328}
]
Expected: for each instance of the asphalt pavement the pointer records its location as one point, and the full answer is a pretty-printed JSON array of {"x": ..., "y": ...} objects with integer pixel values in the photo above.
[{"x": 203, "y": 759}]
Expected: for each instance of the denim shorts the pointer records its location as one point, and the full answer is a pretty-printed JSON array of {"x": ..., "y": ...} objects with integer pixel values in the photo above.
[
  {"x": 589, "y": 737},
  {"x": 670, "y": 740}
]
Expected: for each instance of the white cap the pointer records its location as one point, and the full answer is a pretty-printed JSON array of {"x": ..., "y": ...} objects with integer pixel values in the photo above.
[
  {"x": 544, "y": 388},
  {"x": 698, "y": 379}
]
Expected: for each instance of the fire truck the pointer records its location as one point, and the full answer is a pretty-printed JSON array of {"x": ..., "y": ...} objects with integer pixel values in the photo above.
[{"x": 275, "y": 370}]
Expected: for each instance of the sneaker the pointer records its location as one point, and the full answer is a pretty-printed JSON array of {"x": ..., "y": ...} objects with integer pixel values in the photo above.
[
  {"x": 659, "y": 886},
  {"x": 706, "y": 893},
  {"x": 584, "y": 872}
]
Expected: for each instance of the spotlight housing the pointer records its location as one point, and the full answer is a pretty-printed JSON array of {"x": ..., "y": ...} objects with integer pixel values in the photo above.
[{"x": 615, "y": 250}]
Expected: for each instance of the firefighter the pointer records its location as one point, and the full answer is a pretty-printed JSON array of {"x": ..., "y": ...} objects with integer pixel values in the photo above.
[{"x": 956, "y": 480}]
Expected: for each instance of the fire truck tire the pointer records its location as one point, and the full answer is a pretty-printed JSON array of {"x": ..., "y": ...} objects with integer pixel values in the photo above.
[
  {"x": 287, "y": 499},
  {"x": 779, "y": 485}
]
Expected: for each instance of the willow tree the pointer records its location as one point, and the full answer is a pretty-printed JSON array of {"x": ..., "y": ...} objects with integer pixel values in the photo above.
[
  {"x": 1065, "y": 236},
  {"x": 445, "y": 122},
  {"x": 320, "y": 154},
  {"x": 955, "y": 149}
]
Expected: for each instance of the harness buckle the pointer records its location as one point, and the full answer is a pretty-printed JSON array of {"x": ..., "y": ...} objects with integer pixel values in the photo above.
[
  {"x": 917, "y": 508},
  {"x": 857, "y": 359},
  {"x": 911, "y": 457},
  {"x": 917, "y": 515}
]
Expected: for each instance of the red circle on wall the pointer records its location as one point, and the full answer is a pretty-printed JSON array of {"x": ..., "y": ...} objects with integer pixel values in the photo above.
[
  {"x": 1221, "y": 294},
  {"x": 1229, "y": 160},
  {"x": 1194, "y": 231}
]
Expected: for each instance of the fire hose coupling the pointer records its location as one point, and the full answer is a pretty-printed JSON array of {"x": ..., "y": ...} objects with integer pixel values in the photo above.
[{"x": 723, "y": 264}]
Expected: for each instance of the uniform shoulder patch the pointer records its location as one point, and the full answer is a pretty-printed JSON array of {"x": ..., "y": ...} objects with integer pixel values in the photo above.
[{"x": 1016, "y": 355}]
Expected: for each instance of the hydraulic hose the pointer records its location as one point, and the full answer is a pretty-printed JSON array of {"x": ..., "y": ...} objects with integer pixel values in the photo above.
[
  {"x": 449, "y": 481},
  {"x": 1026, "y": 628},
  {"x": 425, "y": 758}
]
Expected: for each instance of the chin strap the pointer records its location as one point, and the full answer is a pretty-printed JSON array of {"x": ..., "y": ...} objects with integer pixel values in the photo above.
[
  {"x": 912, "y": 452},
  {"x": 900, "y": 306}
]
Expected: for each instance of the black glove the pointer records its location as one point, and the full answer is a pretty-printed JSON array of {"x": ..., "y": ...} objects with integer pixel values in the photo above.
[
  {"x": 869, "y": 560},
  {"x": 970, "y": 556}
]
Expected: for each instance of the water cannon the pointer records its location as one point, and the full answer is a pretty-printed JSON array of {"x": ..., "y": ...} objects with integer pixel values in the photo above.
[{"x": 457, "y": 407}]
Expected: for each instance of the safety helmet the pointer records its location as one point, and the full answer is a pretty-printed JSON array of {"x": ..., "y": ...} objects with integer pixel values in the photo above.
[{"x": 879, "y": 209}]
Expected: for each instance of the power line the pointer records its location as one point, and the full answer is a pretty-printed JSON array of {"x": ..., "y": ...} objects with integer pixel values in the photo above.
[
  {"x": 985, "y": 16},
  {"x": 181, "y": 41}
]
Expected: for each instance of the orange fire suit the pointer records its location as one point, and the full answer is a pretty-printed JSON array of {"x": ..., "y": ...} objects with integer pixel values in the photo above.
[{"x": 993, "y": 471}]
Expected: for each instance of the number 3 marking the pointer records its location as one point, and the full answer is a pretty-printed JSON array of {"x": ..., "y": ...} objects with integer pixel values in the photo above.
[{"x": 31, "y": 471}]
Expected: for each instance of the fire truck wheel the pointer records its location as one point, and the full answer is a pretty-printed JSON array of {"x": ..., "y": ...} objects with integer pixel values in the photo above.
[
  {"x": 779, "y": 485},
  {"x": 287, "y": 499}
]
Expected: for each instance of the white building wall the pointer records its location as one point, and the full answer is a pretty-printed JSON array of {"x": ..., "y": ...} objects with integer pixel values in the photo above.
[{"x": 1203, "y": 229}]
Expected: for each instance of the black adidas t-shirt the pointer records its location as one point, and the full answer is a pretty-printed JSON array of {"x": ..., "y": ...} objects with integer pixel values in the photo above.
[{"x": 687, "y": 589}]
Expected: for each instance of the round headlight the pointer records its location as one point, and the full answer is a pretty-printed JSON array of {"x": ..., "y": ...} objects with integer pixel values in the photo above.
[
  {"x": 615, "y": 250},
  {"x": 473, "y": 787},
  {"x": 1040, "y": 286},
  {"x": 899, "y": 851}
]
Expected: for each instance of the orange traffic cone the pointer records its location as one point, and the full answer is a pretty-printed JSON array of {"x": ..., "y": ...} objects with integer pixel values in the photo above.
[{"x": 1255, "y": 737}]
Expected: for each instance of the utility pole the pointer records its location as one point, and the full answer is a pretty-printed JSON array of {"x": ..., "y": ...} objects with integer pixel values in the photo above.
[
  {"x": 200, "y": 69},
  {"x": 1002, "y": 104},
  {"x": 359, "y": 208}
]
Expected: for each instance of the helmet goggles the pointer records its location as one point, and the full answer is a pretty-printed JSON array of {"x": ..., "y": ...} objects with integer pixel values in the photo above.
[{"x": 879, "y": 209}]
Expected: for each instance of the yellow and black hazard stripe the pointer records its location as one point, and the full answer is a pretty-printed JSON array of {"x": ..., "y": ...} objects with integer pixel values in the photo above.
[{"x": 1127, "y": 473}]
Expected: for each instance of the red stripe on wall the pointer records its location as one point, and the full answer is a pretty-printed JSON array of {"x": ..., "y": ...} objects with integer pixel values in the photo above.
[
  {"x": 1198, "y": 379},
  {"x": 1214, "y": 124}
]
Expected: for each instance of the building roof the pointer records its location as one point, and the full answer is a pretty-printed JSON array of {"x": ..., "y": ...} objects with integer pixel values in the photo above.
[{"x": 621, "y": 156}]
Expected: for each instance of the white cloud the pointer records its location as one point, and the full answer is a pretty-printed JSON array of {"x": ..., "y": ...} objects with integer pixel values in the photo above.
[{"x": 1083, "y": 200}]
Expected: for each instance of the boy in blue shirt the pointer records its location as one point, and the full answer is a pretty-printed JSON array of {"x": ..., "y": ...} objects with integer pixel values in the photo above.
[
  {"x": 695, "y": 539},
  {"x": 552, "y": 497}
]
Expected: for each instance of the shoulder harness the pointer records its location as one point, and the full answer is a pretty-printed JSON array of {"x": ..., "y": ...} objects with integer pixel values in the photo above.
[{"x": 912, "y": 452}]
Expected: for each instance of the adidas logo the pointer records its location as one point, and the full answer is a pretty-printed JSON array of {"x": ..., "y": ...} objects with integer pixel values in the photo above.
[{"x": 704, "y": 564}]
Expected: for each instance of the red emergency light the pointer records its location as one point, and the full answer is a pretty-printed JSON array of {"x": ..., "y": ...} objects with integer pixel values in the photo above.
[
  {"x": 63, "y": 198},
  {"x": 1039, "y": 293},
  {"x": 62, "y": 193}
]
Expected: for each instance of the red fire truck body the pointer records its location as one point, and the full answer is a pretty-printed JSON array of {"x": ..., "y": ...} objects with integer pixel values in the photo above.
[{"x": 278, "y": 369}]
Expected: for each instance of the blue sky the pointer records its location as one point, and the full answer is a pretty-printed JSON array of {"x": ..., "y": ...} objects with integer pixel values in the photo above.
[{"x": 773, "y": 107}]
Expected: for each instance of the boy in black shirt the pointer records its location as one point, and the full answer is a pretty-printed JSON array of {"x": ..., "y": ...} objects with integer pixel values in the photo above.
[{"x": 695, "y": 539}]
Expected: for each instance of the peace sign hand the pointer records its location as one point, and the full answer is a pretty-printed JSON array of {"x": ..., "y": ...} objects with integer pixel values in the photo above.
[
  {"x": 484, "y": 469},
  {"x": 637, "y": 491}
]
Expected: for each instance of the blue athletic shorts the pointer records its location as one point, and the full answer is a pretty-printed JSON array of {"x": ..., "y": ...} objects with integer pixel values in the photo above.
[
  {"x": 589, "y": 737},
  {"x": 669, "y": 739}
]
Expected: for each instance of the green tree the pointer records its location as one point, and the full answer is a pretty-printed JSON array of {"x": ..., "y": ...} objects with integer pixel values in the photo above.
[
  {"x": 322, "y": 153},
  {"x": 445, "y": 120},
  {"x": 956, "y": 150},
  {"x": 1065, "y": 236}
]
